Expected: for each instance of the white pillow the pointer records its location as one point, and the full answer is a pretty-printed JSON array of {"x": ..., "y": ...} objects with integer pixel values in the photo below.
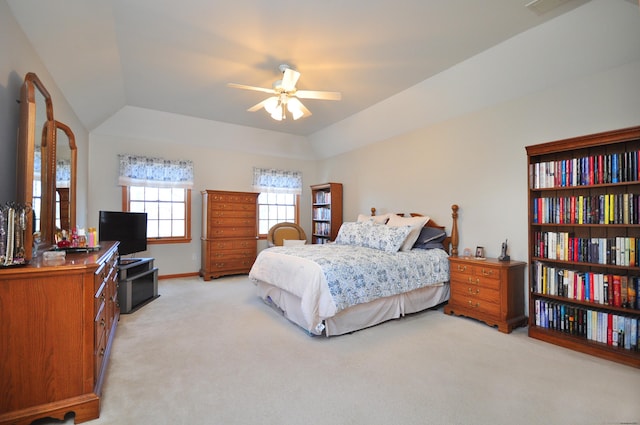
[
  {"x": 416, "y": 223},
  {"x": 378, "y": 219},
  {"x": 293, "y": 242}
]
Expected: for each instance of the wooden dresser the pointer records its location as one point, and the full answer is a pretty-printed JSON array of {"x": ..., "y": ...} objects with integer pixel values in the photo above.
[
  {"x": 488, "y": 290},
  {"x": 229, "y": 233},
  {"x": 57, "y": 324}
]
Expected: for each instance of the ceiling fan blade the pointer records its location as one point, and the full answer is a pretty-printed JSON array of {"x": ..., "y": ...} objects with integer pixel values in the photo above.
[
  {"x": 258, "y": 105},
  {"x": 260, "y": 89},
  {"x": 314, "y": 94},
  {"x": 289, "y": 79},
  {"x": 304, "y": 110}
]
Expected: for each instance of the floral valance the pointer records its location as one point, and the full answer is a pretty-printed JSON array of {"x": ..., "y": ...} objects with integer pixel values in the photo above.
[
  {"x": 136, "y": 170},
  {"x": 63, "y": 173},
  {"x": 277, "y": 181}
]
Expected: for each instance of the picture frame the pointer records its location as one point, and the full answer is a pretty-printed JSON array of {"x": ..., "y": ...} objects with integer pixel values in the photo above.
[{"x": 480, "y": 252}]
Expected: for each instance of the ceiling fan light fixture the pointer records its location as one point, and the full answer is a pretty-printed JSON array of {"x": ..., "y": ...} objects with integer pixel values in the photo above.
[
  {"x": 271, "y": 104},
  {"x": 278, "y": 113},
  {"x": 294, "y": 106},
  {"x": 296, "y": 114}
]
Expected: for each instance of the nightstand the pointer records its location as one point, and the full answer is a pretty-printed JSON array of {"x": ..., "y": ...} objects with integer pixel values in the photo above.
[{"x": 488, "y": 290}]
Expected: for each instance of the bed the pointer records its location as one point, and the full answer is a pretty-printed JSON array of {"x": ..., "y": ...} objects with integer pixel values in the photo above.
[{"x": 379, "y": 268}]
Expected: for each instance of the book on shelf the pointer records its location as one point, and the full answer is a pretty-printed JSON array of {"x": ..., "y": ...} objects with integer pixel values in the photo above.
[
  {"x": 586, "y": 170},
  {"x": 594, "y": 209},
  {"x": 612, "y": 329},
  {"x": 322, "y": 197},
  {"x": 616, "y": 290},
  {"x": 565, "y": 246}
]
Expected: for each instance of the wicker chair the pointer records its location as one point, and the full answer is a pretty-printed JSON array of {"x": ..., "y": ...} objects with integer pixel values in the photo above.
[{"x": 281, "y": 231}]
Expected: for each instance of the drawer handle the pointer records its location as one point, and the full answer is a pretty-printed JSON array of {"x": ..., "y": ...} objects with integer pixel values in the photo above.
[
  {"x": 487, "y": 272},
  {"x": 476, "y": 305},
  {"x": 102, "y": 352},
  {"x": 473, "y": 282},
  {"x": 102, "y": 323},
  {"x": 461, "y": 268},
  {"x": 474, "y": 291}
]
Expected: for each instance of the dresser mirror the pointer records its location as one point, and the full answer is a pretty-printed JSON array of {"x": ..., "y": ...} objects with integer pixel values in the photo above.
[
  {"x": 65, "y": 195},
  {"x": 35, "y": 163}
]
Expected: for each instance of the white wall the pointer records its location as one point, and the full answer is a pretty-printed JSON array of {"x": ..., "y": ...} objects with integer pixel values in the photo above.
[
  {"x": 478, "y": 160},
  {"x": 214, "y": 168}
]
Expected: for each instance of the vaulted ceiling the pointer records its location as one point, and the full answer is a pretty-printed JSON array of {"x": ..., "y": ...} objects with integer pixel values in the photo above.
[{"x": 178, "y": 56}]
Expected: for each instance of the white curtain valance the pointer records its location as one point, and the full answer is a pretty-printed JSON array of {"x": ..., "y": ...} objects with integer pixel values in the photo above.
[
  {"x": 136, "y": 170},
  {"x": 277, "y": 181}
]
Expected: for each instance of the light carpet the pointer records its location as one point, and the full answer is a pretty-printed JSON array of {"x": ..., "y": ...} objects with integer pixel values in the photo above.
[{"x": 214, "y": 353}]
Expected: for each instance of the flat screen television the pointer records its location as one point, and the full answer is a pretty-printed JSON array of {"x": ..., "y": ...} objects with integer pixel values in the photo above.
[{"x": 130, "y": 228}]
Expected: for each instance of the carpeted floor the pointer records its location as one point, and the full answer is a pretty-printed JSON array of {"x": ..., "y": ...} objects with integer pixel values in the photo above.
[{"x": 213, "y": 353}]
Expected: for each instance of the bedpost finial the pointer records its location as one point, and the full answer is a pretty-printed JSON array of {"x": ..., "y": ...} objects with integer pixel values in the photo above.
[
  {"x": 454, "y": 231},
  {"x": 373, "y": 211}
]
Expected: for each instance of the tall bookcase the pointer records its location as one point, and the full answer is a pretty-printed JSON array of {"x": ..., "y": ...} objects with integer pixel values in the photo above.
[
  {"x": 326, "y": 211},
  {"x": 584, "y": 244}
]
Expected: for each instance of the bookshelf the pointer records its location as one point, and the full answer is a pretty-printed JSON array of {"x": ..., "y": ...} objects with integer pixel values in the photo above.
[
  {"x": 326, "y": 212},
  {"x": 584, "y": 244}
]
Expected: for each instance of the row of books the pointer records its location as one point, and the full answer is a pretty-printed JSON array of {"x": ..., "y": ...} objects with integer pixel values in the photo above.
[
  {"x": 321, "y": 229},
  {"x": 621, "y": 208},
  {"x": 586, "y": 170},
  {"x": 322, "y": 213},
  {"x": 322, "y": 198},
  {"x": 599, "y": 288},
  {"x": 613, "y": 329},
  {"x": 618, "y": 251}
]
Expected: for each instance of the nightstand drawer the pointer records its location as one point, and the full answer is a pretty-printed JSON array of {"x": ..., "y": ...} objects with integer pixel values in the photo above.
[
  {"x": 459, "y": 292},
  {"x": 476, "y": 280}
]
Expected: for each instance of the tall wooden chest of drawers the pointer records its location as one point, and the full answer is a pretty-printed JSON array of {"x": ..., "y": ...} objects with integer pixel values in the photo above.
[
  {"x": 229, "y": 233},
  {"x": 57, "y": 325},
  {"x": 488, "y": 290}
]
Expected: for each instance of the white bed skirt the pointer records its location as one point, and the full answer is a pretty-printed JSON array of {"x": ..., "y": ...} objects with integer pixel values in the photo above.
[{"x": 359, "y": 316}]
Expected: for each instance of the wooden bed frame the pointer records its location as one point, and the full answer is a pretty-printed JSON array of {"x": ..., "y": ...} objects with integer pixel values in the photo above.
[{"x": 372, "y": 313}]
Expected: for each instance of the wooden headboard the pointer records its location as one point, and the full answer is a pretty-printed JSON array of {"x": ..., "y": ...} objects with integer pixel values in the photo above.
[{"x": 450, "y": 242}]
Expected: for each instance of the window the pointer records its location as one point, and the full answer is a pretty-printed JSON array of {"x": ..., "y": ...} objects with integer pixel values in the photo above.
[
  {"x": 162, "y": 189},
  {"x": 274, "y": 208},
  {"x": 279, "y": 196},
  {"x": 168, "y": 211}
]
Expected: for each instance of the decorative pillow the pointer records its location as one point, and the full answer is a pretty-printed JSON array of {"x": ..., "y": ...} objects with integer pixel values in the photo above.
[
  {"x": 378, "y": 219},
  {"x": 350, "y": 233},
  {"x": 293, "y": 242},
  {"x": 416, "y": 224},
  {"x": 429, "y": 238},
  {"x": 376, "y": 236}
]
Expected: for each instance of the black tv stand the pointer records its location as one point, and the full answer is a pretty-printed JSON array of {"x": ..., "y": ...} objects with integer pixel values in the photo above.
[{"x": 138, "y": 283}]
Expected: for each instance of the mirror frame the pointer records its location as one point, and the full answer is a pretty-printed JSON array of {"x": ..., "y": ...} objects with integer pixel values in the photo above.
[
  {"x": 25, "y": 161},
  {"x": 72, "y": 183}
]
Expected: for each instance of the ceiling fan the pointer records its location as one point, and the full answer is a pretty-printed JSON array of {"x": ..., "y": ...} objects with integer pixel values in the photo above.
[{"x": 286, "y": 96}]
